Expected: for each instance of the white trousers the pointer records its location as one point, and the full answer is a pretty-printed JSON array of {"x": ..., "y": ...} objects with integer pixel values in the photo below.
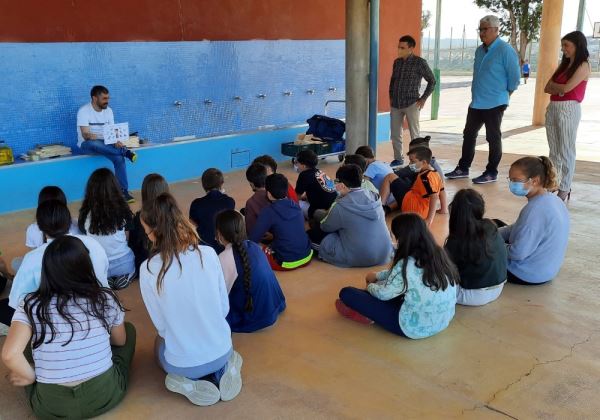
[
  {"x": 478, "y": 297},
  {"x": 562, "y": 120}
]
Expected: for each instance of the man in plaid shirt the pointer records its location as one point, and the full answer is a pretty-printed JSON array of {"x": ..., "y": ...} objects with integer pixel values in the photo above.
[{"x": 407, "y": 73}]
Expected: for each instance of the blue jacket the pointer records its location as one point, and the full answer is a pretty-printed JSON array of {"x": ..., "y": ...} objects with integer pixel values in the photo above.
[
  {"x": 267, "y": 298},
  {"x": 495, "y": 74},
  {"x": 284, "y": 219}
]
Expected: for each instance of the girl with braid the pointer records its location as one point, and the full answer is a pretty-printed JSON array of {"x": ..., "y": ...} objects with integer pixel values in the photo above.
[{"x": 255, "y": 298}]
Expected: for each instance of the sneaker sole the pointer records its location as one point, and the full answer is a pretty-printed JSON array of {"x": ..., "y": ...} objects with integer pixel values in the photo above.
[
  {"x": 485, "y": 182},
  {"x": 203, "y": 393},
  {"x": 230, "y": 384},
  {"x": 456, "y": 176}
]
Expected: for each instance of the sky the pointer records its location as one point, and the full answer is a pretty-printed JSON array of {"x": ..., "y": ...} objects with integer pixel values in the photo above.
[{"x": 456, "y": 13}]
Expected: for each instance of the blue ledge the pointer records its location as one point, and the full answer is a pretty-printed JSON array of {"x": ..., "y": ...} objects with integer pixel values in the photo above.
[{"x": 175, "y": 161}]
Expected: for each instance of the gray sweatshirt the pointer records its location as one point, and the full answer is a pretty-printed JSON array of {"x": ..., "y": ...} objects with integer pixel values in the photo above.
[{"x": 359, "y": 235}]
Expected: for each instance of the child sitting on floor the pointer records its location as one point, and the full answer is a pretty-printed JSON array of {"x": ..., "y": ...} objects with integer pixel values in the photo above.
[
  {"x": 184, "y": 292},
  {"x": 204, "y": 210},
  {"x": 361, "y": 162},
  {"x": 314, "y": 187},
  {"x": 410, "y": 176},
  {"x": 290, "y": 248},
  {"x": 104, "y": 216},
  {"x": 152, "y": 186},
  {"x": 82, "y": 348},
  {"x": 271, "y": 165},
  {"x": 416, "y": 297},
  {"x": 255, "y": 298},
  {"x": 376, "y": 169},
  {"x": 256, "y": 174},
  {"x": 537, "y": 241},
  {"x": 420, "y": 196},
  {"x": 354, "y": 220},
  {"x": 477, "y": 249}
]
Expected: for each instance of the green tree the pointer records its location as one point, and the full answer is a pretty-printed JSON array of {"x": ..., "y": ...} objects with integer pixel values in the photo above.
[
  {"x": 519, "y": 20},
  {"x": 425, "y": 18}
]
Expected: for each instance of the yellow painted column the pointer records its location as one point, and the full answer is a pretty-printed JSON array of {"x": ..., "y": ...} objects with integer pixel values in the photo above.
[{"x": 552, "y": 11}]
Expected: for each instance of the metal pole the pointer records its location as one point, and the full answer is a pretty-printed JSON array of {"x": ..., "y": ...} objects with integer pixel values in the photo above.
[
  {"x": 373, "y": 70},
  {"x": 357, "y": 74},
  {"x": 450, "y": 53},
  {"x": 580, "y": 15},
  {"x": 428, "y": 43},
  {"x": 462, "y": 51},
  {"x": 435, "y": 98}
]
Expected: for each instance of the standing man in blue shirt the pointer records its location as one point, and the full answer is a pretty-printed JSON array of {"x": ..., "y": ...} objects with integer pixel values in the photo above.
[{"x": 496, "y": 75}]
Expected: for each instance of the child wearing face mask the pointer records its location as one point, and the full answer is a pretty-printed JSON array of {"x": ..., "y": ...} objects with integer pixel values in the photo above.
[
  {"x": 407, "y": 178},
  {"x": 203, "y": 210},
  {"x": 420, "y": 196},
  {"x": 537, "y": 241}
]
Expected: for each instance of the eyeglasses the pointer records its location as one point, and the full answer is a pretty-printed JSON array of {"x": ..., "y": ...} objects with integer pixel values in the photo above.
[
  {"x": 482, "y": 30},
  {"x": 336, "y": 181},
  {"x": 518, "y": 180}
]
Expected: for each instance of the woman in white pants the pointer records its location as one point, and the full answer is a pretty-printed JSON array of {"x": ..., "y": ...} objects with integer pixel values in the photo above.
[{"x": 567, "y": 89}]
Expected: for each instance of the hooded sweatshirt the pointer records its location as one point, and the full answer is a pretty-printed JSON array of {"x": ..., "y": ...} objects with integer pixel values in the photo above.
[
  {"x": 359, "y": 235},
  {"x": 284, "y": 219}
]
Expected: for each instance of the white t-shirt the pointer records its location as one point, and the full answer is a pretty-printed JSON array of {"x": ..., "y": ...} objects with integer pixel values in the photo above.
[
  {"x": 189, "y": 312},
  {"x": 87, "y": 116},
  {"x": 34, "y": 237},
  {"x": 114, "y": 244},
  {"x": 28, "y": 277}
]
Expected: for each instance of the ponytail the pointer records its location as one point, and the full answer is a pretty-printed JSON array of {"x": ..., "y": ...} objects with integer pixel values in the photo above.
[{"x": 550, "y": 182}]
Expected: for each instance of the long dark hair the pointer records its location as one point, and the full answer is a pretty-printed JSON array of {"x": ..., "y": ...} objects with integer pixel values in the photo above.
[
  {"x": 415, "y": 240},
  {"x": 152, "y": 186},
  {"x": 230, "y": 225},
  {"x": 173, "y": 233},
  {"x": 468, "y": 227},
  {"x": 581, "y": 55},
  {"x": 104, "y": 203},
  {"x": 67, "y": 276}
]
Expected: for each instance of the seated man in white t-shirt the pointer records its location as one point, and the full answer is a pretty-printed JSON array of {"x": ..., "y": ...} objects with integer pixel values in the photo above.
[{"x": 91, "y": 119}]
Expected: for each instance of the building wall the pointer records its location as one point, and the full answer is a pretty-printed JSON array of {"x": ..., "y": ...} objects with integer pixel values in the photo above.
[{"x": 203, "y": 54}]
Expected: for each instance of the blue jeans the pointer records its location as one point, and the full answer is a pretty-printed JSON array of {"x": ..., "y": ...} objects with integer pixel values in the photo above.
[
  {"x": 383, "y": 312},
  {"x": 216, "y": 367},
  {"x": 122, "y": 265},
  {"x": 114, "y": 154}
]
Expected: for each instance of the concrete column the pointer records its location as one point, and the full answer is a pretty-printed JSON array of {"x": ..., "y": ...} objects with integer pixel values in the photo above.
[
  {"x": 357, "y": 74},
  {"x": 552, "y": 12}
]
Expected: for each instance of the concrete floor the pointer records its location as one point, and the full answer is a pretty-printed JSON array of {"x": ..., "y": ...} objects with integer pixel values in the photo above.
[{"x": 534, "y": 353}]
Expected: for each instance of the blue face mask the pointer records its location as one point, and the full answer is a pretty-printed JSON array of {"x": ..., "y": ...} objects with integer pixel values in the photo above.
[
  {"x": 518, "y": 188},
  {"x": 413, "y": 167}
]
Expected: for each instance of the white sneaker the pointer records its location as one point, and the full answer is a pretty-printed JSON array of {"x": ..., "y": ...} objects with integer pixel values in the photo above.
[
  {"x": 230, "y": 384},
  {"x": 198, "y": 392}
]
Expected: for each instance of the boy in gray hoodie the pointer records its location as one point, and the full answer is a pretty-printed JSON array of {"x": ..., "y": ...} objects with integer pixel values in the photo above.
[{"x": 357, "y": 233}]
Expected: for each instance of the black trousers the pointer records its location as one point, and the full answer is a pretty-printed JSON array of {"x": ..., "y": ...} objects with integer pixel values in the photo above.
[{"x": 477, "y": 118}]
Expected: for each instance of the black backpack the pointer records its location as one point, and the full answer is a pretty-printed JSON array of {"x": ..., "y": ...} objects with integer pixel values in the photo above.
[{"x": 326, "y": 128}]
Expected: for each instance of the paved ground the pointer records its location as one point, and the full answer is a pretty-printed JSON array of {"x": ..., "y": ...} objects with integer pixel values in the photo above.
[{"x": 534, "y": 353}]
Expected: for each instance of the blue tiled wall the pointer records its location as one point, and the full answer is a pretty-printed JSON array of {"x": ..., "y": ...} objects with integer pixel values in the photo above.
[{"x": 43, "y": 85}]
